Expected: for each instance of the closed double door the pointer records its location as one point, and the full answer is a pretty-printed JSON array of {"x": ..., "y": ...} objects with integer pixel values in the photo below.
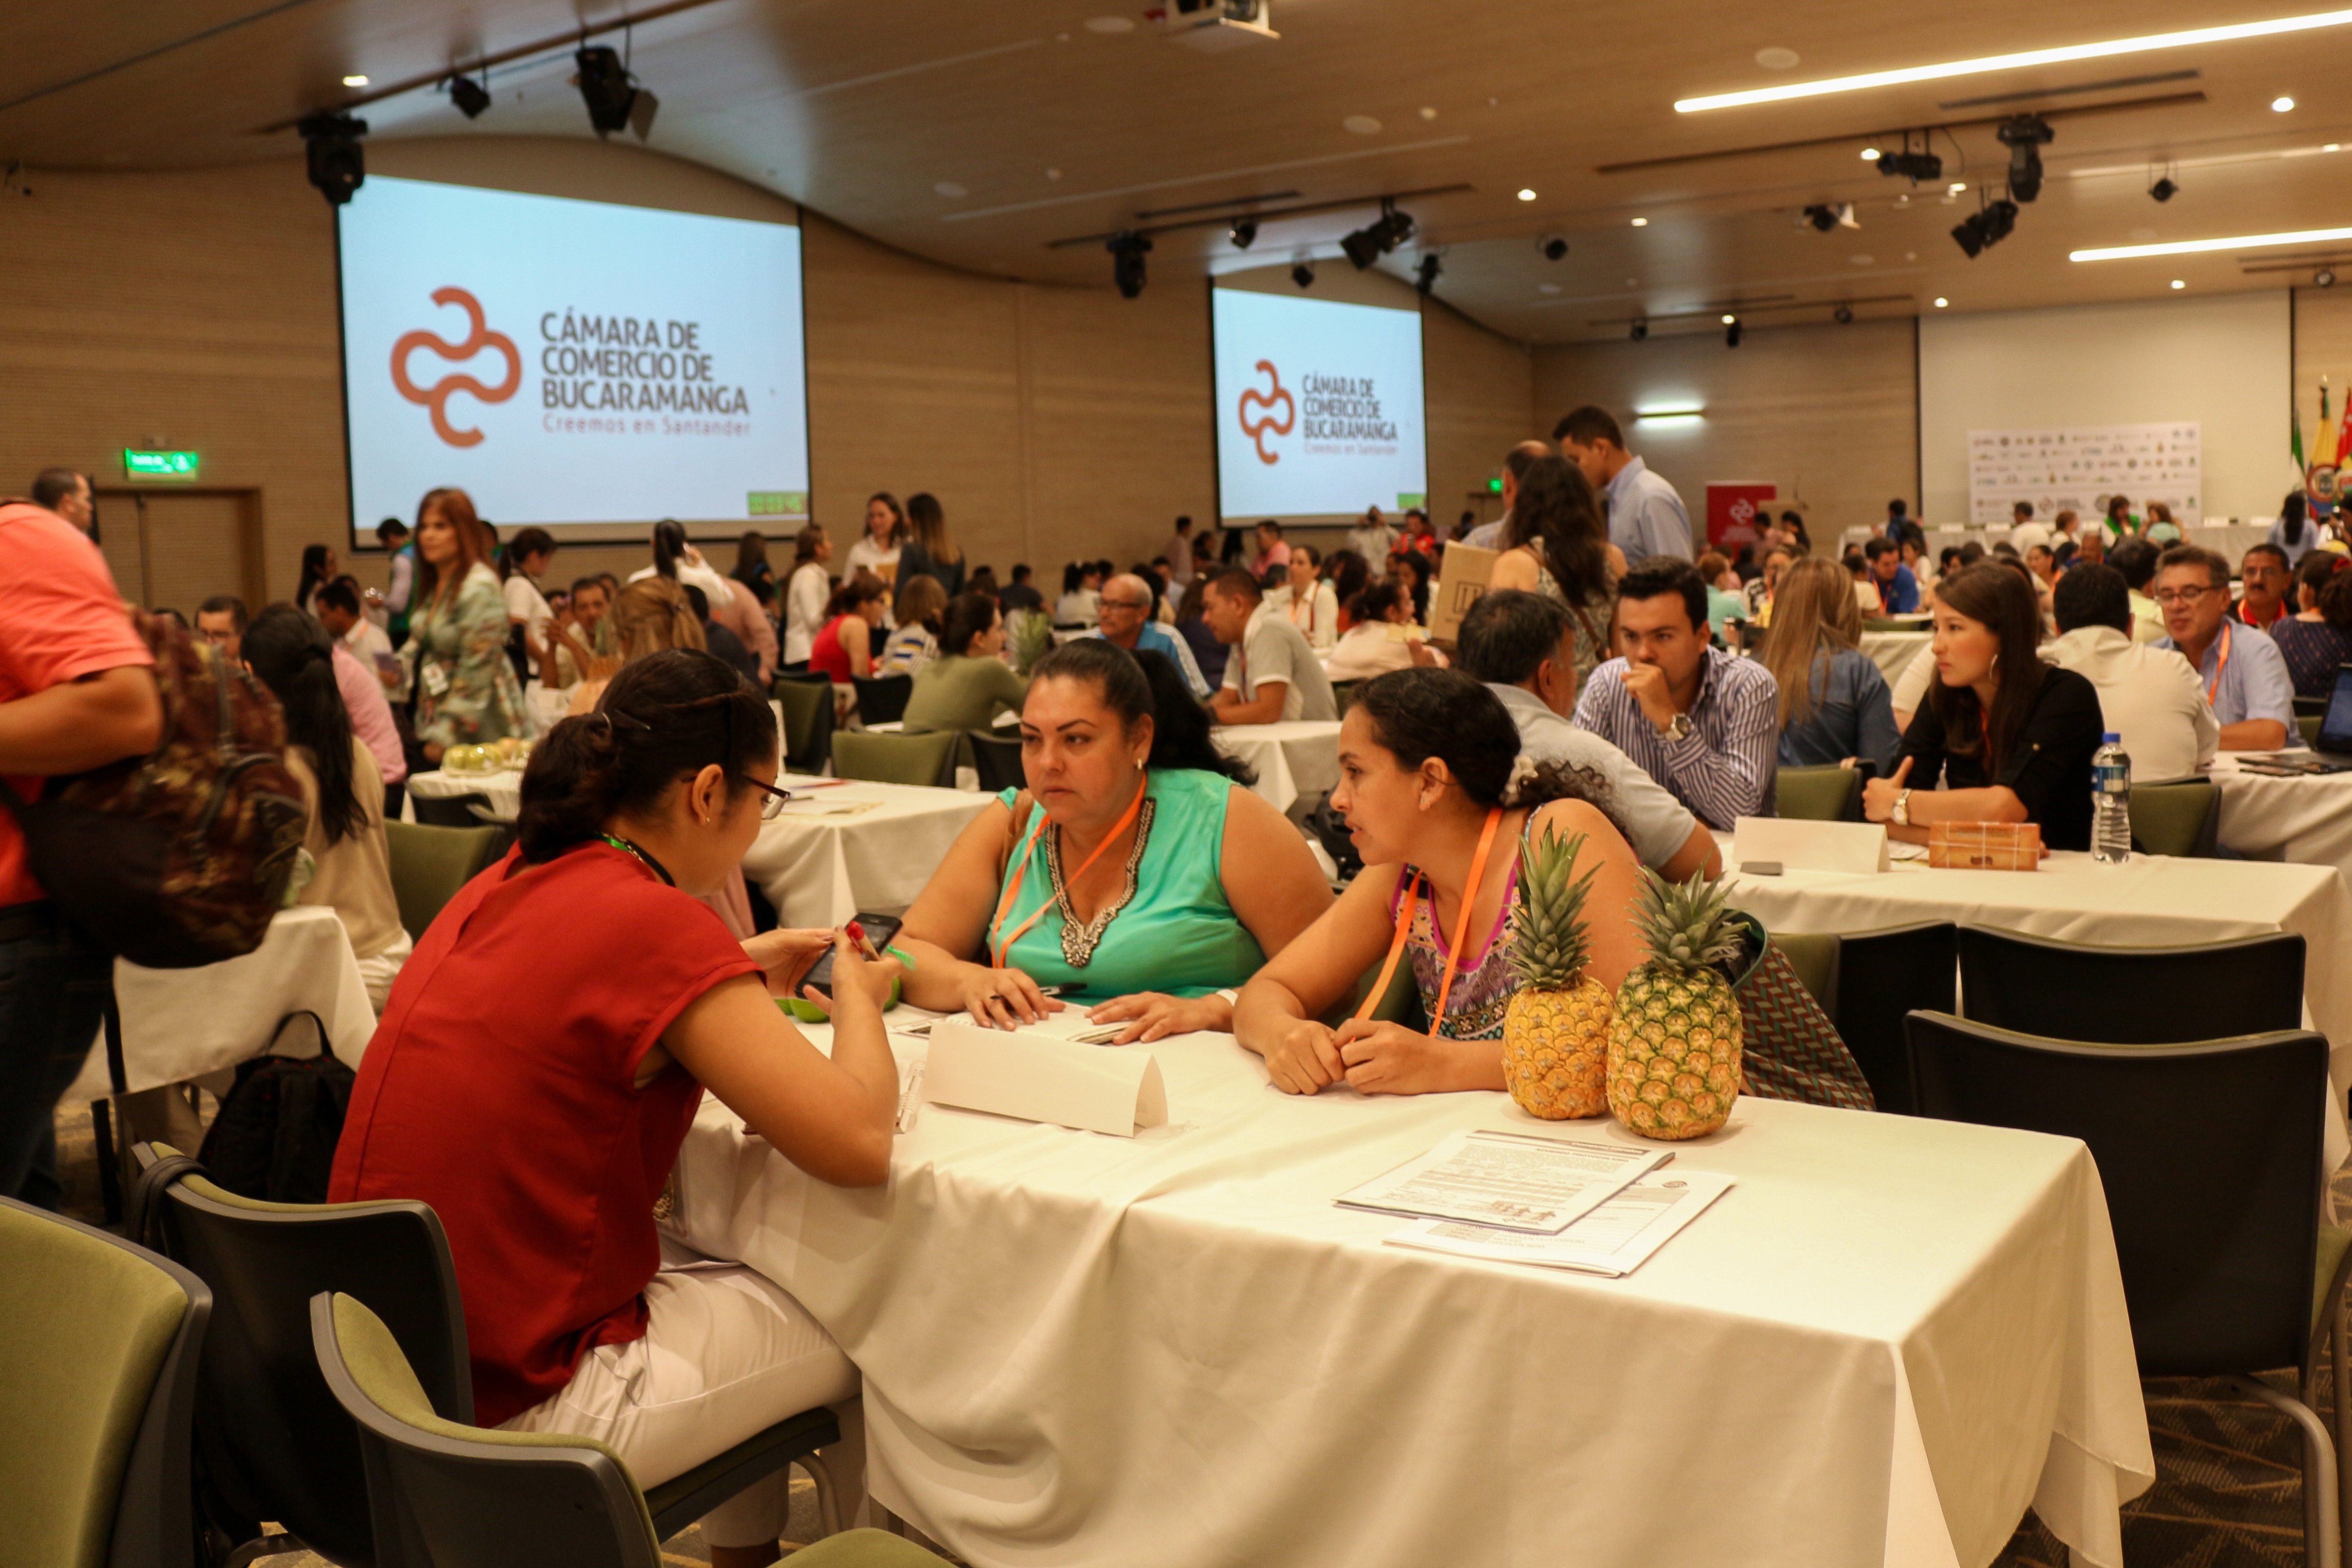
[{"x": 175, "y": 548}]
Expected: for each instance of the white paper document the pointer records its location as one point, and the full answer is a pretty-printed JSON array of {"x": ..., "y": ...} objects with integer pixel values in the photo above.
[
  {"x": 1614, "y": 1238},
  {"x": 1515, "y": 1180}
]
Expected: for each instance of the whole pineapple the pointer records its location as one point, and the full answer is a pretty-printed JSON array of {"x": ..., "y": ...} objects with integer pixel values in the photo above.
[
  {"x": 1556, "y": 1030},
  {"x": 1674, "y": 1046}
]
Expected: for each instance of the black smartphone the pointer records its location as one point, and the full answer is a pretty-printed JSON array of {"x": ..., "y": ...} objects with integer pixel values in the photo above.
[{"x": 880, "y": 930}]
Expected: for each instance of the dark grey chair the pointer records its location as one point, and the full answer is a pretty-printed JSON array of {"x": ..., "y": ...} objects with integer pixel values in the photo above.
[
  {"x": 2131, "y": 996},
  {"x": 997, "y": 759},
  {"x": 882, "y": 699}
]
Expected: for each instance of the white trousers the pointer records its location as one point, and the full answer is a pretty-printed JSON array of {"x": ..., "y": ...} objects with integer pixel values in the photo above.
[{"x": 725, "y": 1355}]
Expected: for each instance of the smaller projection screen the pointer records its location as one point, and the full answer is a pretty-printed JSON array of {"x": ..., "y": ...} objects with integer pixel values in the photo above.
[
  {"x": 582, "y": 366},
  {"x": 1318, "y": 408}
]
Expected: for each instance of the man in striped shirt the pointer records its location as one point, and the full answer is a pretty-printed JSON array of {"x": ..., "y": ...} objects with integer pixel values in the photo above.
[{"x": 1700, "y": 721}]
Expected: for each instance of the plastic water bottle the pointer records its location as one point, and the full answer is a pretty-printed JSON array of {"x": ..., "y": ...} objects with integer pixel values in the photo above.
[{"x": 2111, "y": 803}]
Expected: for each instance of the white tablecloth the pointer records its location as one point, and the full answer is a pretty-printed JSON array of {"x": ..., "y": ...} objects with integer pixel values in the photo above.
[
  {"x": 503, "y": 789},
  {"x": 179, "y": 1023},
  {"x": 1892, "y": 651},
  {"x": 1878, "y": 1349},
  {"x": 1295, "y": 760},
  {"x": 856, "y": 846},
  {"x": 2307, "y": 819},
  {"x": 2150, "y": 901}
]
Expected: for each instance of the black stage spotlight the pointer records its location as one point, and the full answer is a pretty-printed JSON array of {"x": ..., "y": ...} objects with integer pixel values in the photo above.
[
  {"x": 1913, "y": 166},
  {"x": 1302, "y": 273},
  {"x": 1424, "y": 277},
  {"x": 2024, "y": 136},
  {"x": 614, "y": 101},
  {"x": 1822, "y": 218},
  {"x": 1377, "y": 238},
  {"x": 1126, "y": 261},
  {"x": 1242, "y": 233},
  {"x": 1641, "y": 329},
  {"x": 331, "y": 142},
  {"x": 470, "y": 96},
  {"x": 1843, "y": 315},
  {"x": 1552, "y": 247},
  {"x": 1731, "y": 334},
  {"x": 1999, "y": 219},
  {"x": 1968, "y": 234},
  {"x": 2164, "y": 190}
]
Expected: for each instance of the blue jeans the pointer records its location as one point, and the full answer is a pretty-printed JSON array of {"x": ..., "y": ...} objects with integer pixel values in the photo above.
[{"x": 53, "y": 987}]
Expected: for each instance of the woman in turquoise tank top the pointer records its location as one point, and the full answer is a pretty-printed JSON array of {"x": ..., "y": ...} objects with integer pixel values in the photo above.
[{"x": 1134, "y": 873}]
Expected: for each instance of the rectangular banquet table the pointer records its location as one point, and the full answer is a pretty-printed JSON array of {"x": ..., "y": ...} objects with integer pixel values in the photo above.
[
  {"x": 1892, "y": 651},
  {"x": 2305, "y": 820},
  {"x": 859, "y": 845},
  {"x": 1297, "y": 761},
  {"x": 1883, "y": 1343}
]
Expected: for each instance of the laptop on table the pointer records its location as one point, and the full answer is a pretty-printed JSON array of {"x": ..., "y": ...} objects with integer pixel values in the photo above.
[{"x": 2331, "y": 748}]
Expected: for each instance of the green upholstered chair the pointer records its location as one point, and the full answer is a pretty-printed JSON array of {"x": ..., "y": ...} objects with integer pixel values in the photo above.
[
  {"x": 98, "y": 1394},
  {"x": 807, "y": 702},
  {"x": 1342, "y": 694},
  {"x": 430, "y": 865},
  {"x": 2308, "y": 724},
  {"x": 1815, "y": 957},
  {"x": 1820, "y": 794},
  {"x": 928, "y": 757},
  {"x": 446, "y": 1495},
  {"x": 2177, "y": 819}
]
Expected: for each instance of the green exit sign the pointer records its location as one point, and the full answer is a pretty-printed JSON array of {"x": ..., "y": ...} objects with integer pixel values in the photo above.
[
  {"x": 168, "y": 465},
  {"x": 1495, "y": 485}
]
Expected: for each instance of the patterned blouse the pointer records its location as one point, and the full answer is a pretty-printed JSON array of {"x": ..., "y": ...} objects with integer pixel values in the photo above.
[
  {"x": 467, "y": 692},
  {"x": 1482, "y": 987}
]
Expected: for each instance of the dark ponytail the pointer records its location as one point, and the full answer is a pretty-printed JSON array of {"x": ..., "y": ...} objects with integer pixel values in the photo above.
[
  {"x": 1418, "y": 714},
  {"x": 663, "y": 718},
  {"x": 1139, "y": 685},
  {"x": 294, "y": 657},
  {"x": 670, "y": 546}
]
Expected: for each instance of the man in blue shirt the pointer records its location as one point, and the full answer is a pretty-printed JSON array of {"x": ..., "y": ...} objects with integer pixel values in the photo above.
[
  {"x": 1126, "y": 610},
  {"x": 1898, "y": 590},
  {"x": 2244, "y": 675},
  {"x": 1646, "y": 518}
]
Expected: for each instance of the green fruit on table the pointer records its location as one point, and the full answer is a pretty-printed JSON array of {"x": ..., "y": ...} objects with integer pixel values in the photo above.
[{"x": 809, "y": 1012}]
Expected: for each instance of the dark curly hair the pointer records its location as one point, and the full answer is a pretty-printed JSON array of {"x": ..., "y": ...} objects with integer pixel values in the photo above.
[{"x": 1418, "y": 714}]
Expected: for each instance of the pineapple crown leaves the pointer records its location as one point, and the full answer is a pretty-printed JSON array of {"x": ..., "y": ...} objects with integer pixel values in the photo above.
[
  {"x": 1688, "y": 927},
  {"x": 1549, "y": 939}
]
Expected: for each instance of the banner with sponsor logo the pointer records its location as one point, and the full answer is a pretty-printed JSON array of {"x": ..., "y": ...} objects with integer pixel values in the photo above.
[
  {"x": 2077, "y": 469},
  {"x": 571, "y": 363},
  {"x": 1318, "y": 407}
]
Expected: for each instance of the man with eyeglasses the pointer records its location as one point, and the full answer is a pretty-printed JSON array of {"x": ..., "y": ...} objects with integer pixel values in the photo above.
[
  {"x": 221, "y": 620},
  {"x": 2244, "y": 674},
  {"x": 1125, "y": 609}
]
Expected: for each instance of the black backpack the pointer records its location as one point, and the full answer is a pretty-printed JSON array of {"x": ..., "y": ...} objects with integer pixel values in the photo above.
[{"x": 276, "y": 1134}]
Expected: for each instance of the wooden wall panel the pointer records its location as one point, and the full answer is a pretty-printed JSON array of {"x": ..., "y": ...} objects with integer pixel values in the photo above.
[
  {"x": 1827, "y": 413},
  {"x": 1479, "y": 403}
]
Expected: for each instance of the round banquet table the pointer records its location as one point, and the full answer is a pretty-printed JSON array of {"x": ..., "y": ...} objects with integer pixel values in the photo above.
[
  {"x": 1174, "y": 1348},
  {"x": 847, "y": 847},
  {"x": 1297, "y": 761},
  {"x": 502, "y": 789}
]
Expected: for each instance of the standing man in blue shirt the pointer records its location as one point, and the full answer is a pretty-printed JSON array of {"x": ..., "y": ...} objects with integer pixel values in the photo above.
[
  {"x": 2243, "y": 673},
  {"x": 1898, "y": 590},
  {"x": 1645, "y": 516}
]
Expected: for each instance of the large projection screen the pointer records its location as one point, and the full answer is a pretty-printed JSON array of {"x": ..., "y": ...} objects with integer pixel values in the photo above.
[
  {"x": 1318, "y": 408},
  {"x": 584, "y": 367}
]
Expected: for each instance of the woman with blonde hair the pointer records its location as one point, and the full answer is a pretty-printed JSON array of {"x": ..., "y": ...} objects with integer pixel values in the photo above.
[
  {"x": 916, "y": 643},
  {"x": 653, "y": 614},
  {"x": 466, "y": 694},
  {"x": 1834, "y": 706},
  {"x": 929, "y": 552}
]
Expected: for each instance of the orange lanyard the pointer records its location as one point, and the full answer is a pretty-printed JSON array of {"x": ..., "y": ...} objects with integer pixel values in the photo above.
[
  {"x": 1012, "y": 885},
  {"x": 1461, "y": 929},
  {"x": 2213, "y": 690}
]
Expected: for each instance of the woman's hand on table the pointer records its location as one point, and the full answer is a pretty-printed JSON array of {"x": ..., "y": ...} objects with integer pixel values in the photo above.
[
  {"x": 1304, "y": 1058},
  {"x": 1003, "y": 999},
  {"x": 1151, "y": 1016},
  {"x": 786, "y": 954},
  {"x": 1389, "y": 1059},
  {"x": 1878, "y": 794}
]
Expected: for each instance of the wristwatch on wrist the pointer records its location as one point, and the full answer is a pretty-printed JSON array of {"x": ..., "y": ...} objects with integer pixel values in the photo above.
[
  {"x": 1680, "y": 729},
  {"x": 1901, "y": 815}
]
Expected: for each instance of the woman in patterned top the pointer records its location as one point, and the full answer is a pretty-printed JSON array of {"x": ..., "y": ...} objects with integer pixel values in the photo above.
[
  {"x": 1431, "y": 781},
  {"x": 466, "y": 694},
  {"x": 1557, "y": 545}
]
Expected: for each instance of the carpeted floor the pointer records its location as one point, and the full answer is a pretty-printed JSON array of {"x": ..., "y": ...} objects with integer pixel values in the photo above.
[{"x": 2228, "y": 1493}]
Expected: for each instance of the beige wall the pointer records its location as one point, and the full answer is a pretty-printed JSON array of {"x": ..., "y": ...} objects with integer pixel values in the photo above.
[{"x": 1826, "y": 414}]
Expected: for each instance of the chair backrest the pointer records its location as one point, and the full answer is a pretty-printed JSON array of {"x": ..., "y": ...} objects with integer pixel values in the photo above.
[
  {"x": 922, "y": 758},
  {"x": 1881, "y": 976},
  {"x": 1818, "y": 794},
  {"x": 274, "y": 1443},
  {"x": 449, "y": 810},
  {"x": 1342, "y": 694},
  {"x": 430, "y": 865},
  {"x": 807, "y": 702},
  {"x": 2131, "y": 996},
  {"x": 447, "y": 1495},
  {"x": 2306, "y": 724},
  {"x": 99, "y": 1367},
  {"x": 997, "y": 758},
  {"x": 2316, "y": 707},
  {"x": 2210, "y": 1154},
  {"x": 1814, "y": 958},
  {"x": 2177, "y": 819},
  {"x": 882, "y": 699}
]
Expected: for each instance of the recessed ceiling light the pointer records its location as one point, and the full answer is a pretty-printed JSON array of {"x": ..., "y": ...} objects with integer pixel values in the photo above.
[
  {"x": 1053, "y": 173},
  {"x": 362, "y": 81},
  {"x": 1729, "y": 319},
  {"x": 1863, "y": 260},
  {"x": 950, "y": 190},
  {"x": 2179, "y": 283},
  {"x": 2282, "y": 104},
  {"x": 1547, "y": 288},
  {"x": 1632, "y": 283},
  {"x": 1641, "y": 223},
  {"x": 1941, "y": 302},
  {"x": 1777, "y": 59},
  {"x": 1869, "y": 154},
  {"x": 2011, "y": 62},
  {"x": 1956, "y": 186},
  {"x": 2198, "y": 246},
  {"x": 1910, "y": 256},
  {"x": 1111, "y": 25},
  {"x": 1427, "y": 112},
  {"x": 1362, "y": 124},
  {"x": 2331, "y": 147},
  {"x": 1526, "y": 195}
]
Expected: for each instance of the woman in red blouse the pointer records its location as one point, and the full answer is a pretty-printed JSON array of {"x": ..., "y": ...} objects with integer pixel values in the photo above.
[{"x": 544, "y": 1051}]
